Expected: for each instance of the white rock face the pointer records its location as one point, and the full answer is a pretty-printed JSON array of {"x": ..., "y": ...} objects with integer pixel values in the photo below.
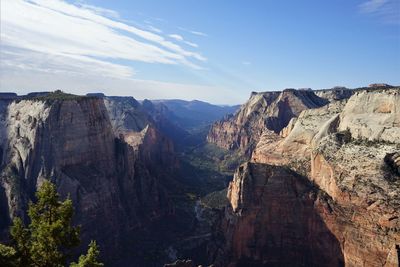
[
  {"x": 21, "y": 122},
  {"x": 18, "y": 129},
  {"x": 373, "y": 116}
]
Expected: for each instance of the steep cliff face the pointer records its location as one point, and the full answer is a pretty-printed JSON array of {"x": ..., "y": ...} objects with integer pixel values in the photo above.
[
  {"x": 270, "y": 111},
  {"x": 126, "y": 114},
  {"x": 349, "y": 150},
  {"x": 98, "y": 162},
  {"x": 272, "y": 221},
  {"x": 143, "y": 130}
]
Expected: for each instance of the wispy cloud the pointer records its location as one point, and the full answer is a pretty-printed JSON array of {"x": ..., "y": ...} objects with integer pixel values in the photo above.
[
  {"x": 386, "y": 10},
  {"x": 176, "y": 37},
  {"x": 191, "y": 44},
  {"x": 181, "y": 39},
  {"x": 100, "y": 11},
  {"x": 50, "y": 44},
  {"x": 17, "y": 60},
  {"x": 64, "y": 36},
  {"x": 247, "y": 63},
  {"x": 193, "y": 32},
  {"x": 154, "y": 29},
  {"x": 20, "y": 81},
  {"x": 198, "y": 33}
]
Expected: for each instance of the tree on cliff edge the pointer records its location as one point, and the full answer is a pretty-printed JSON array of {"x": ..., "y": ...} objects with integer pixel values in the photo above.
[{"x": 50, "y": 236}]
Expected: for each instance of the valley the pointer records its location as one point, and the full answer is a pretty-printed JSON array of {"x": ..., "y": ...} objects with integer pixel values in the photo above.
[{"x": 290, "y": 178}]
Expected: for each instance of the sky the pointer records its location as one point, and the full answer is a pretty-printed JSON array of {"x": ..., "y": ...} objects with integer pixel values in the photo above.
[{"x": 215, "y": 51}]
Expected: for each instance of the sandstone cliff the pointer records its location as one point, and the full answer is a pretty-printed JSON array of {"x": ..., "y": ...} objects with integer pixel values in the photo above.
[
  {"x": 349, "y": 151},
  {"x": 270, "y": 111},
  {"x": 272, "y": 221},
  {"x": 106, "y": 158}
]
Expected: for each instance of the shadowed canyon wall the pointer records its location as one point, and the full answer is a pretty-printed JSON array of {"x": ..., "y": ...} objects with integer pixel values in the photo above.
[
  {"x": 322, "y": 192},
  {"x": 105, "y": 157}
]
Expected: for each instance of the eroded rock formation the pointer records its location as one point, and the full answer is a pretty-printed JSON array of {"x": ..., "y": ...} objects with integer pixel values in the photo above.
[
  {"x": 349, "y": 151},
  {"x": 270, "y": 111},
  {"x": 272, "y": 221},
  {"x": 105, "y": 153}
]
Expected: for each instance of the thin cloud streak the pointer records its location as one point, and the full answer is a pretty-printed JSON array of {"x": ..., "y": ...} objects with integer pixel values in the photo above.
[
  {"x": 386, "y": 10},
  {"x": 176, "y": 37},
  {"x": 101, "y": 11},
  {"x": 181, "y": 39},
  {"x": 154, "y": 29},
  {"x": 193, "y": 32}
]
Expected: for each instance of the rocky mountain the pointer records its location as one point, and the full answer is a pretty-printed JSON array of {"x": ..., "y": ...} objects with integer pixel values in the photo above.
[
  {"x": 167, "y": 121},
  {"x": 320, "y": 185},
  {"x": 105, "y": 154},
  {"x": 268, "y": 111},
  {"x": 325, "y": 191},
  {"x": 192, "y": 115}
]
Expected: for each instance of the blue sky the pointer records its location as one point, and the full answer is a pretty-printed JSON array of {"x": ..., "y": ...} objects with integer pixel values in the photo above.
[{"x": 217, "y": 51}]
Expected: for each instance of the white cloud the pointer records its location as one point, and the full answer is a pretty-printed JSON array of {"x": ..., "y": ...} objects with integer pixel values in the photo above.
[
  {"x": 101, "y": 11},
  {"x": 154, "y": 29},
  {"x": 386, "y": 10},
  {"x": 46, "y": 45},
  {"x": 191, "y": 44},
  {"x": 81, "y": 34},
  {"x": 198, "y": 33},
  {"x": 176, "y": 37},
  {"x": 193, "y": 32},
  {"x": 26, "y": 60},
  {"x": 181, "y": 39},
  {"x": 21, "y": 82}
]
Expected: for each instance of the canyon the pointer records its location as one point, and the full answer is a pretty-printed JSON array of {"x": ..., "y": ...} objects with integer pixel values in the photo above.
[
  {"x": 323, "y": 191},
  {"x": 297, "y": 177}
]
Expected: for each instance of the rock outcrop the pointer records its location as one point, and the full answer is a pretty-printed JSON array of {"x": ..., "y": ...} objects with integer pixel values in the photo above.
[
  {"x": 102, "y": 152},
  {"x": 349, "y": 151},
  {"x": 273, "y": 221},
  {"x": 373, "y": 115},
  {"x": 334, "y": 94},
  {"x": 270, "y": 111}
]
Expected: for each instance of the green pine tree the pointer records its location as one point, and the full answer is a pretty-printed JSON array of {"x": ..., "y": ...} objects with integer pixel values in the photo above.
[
  {"x": 50, "y": 236},
  {"x": 90, "y": 259},
  {"x": 8, "y": 256}
]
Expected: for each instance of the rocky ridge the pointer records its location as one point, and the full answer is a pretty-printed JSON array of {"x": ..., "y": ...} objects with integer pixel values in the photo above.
[
  {"x": 270, "y": 111},
  {"x": 322, "y": 192},
  {"x": 105, "y": 153}
]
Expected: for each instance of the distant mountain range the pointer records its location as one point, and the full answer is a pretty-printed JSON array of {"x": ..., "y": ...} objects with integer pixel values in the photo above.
[{"x": 195, "y": 114}]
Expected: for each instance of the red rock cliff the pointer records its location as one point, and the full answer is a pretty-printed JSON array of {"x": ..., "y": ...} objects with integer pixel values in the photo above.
[{"x": 348, "y": 151}]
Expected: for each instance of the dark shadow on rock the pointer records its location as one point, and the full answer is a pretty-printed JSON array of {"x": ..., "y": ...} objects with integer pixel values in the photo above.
[{"x": 277, "y": 222}]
